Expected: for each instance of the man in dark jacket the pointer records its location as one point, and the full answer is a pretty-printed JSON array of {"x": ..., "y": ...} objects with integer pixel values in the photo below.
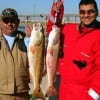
[{"x": 14, "y": 74}]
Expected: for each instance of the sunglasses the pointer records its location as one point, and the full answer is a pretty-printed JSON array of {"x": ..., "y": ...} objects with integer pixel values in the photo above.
[
  {"x": 7, "y": 20},
  {"x": 89, "y": 12}
]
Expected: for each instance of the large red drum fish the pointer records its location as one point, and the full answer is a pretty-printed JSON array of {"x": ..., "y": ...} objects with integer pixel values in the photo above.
[
  {"x": 36, "y": 52},
  {"x": 52, "y": 58}
]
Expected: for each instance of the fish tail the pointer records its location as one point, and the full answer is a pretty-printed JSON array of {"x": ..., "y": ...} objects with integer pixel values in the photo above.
[{"x": 38, "y": 94}]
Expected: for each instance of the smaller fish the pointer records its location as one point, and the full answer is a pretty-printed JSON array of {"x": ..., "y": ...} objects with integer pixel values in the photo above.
[
  {"x": 36, "y": 52},
  {"x": 52, "y": 58}
]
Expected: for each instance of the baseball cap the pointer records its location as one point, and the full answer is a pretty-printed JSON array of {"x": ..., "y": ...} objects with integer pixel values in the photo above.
[{"x": 9, "y": 13}]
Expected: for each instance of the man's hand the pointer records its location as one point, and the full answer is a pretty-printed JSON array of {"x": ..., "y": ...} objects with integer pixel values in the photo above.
[
  {"x": 56, "y": 6},
  {"x": 28, "y": 30}
]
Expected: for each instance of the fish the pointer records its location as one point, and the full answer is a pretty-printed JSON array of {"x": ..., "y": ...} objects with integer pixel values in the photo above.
[
  {"x": 36, "y": 54},
  {"x": 52, "y": 58}
]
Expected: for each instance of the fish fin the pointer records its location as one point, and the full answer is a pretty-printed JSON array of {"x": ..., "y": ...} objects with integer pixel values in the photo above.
[
  {"x": 31, "y": 48},
  {"x": 38, "y": 94},
  {"x": 51, "y": 92}
]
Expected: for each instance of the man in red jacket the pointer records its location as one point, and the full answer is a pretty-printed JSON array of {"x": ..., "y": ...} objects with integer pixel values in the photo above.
[{"x": 80, "y": 66}]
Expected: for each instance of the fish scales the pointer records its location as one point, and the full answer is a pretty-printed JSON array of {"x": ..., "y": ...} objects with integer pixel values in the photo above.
[
  {"x": 36, "y": 52},
  {"x": 52, "y": 58}
]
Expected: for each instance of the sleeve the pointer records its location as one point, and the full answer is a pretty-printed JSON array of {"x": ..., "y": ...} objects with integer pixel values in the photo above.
[
  {"x": 26, "y": 41},
  {"x": 94, "y": 90},
  {"x": 51, "y": 18}
]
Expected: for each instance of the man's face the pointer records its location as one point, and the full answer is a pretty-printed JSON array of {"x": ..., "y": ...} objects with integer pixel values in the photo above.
[
  {"x": 9, "y": 25},
  {"x": 87, "y": 14}
]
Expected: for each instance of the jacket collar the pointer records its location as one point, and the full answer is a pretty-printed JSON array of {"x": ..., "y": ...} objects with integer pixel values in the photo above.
[
  {"x": 92, "y": 26},
  {"x": 19, "y": 34}
]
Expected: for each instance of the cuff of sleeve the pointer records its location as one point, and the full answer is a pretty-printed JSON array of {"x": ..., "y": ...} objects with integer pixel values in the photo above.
[
  {"x": 27, "y": 40},
  {"x": 93, "y": 94}
]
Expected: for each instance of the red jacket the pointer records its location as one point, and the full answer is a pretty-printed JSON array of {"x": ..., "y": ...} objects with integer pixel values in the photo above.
[
  {"x": 80, "y": 66},
  {"x": 51, "y": 18}
]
